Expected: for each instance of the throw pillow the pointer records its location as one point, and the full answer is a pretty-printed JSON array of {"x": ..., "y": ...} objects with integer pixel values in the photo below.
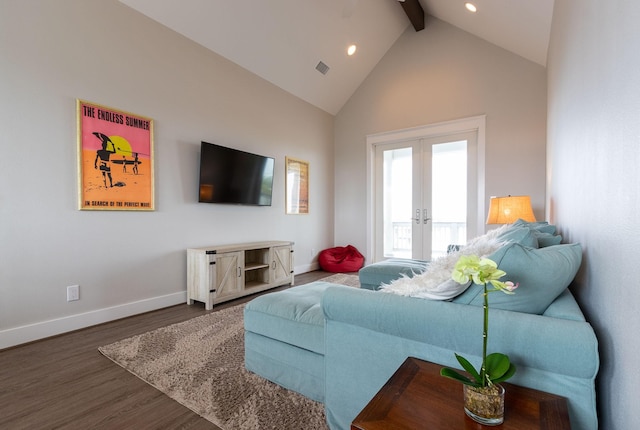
[
  {"x": 522, "y": 235},
  {"x": 541, "y": 226},
  {"x": 543, "y": 274},
  {"x": 547, "y": 239}
]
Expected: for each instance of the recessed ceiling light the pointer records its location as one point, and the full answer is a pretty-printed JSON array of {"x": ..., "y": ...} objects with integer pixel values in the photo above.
[
  {"x": 470, "y": 7},
  {"x": 351, "y": 50}
]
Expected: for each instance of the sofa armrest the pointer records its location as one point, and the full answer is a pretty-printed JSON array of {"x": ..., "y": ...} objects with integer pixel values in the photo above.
[{"x": 555, "y": 345}]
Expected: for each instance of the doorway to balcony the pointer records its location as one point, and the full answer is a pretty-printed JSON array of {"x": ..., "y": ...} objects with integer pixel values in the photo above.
[{"x": 424, "y": 189}]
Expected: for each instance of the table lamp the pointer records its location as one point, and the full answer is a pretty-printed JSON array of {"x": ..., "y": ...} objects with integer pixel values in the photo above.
[{"x": 505, "y": 210}]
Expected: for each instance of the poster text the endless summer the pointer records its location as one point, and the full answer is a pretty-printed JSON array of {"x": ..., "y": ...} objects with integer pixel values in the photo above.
[{"x": 115, "y": 117}]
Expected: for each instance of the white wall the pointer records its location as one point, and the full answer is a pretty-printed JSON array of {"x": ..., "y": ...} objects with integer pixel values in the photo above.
[
  {"x": 594, "y": 181},
  {"x": 438, "y": 74},
  {"x": 102, "y": 51}
]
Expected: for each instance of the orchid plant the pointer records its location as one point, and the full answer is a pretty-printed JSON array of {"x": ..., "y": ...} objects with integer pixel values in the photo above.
[{"x": 495, "y": 367}]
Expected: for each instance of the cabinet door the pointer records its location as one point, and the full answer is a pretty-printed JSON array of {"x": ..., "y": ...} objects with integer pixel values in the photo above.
[
  {"x": 228, "y": 276},
  {"x": 282, "y": 265}
]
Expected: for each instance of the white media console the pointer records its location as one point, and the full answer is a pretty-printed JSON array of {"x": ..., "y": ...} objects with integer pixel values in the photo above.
[{"x": 219, "y": 273}]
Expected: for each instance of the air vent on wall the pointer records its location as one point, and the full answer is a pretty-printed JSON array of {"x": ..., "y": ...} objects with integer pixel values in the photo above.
[{"x": 322, "y": 68}]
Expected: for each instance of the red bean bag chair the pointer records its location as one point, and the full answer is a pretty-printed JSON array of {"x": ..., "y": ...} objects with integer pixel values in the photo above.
[{"x": 341, "y": 259}]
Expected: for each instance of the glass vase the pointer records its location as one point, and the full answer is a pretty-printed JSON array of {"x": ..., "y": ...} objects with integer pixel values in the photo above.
[{"x": 485, "y": 405}]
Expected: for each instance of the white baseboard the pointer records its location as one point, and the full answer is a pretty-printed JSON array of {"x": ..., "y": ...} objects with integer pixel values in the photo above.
[
  {"x": 40, "y": 330},
  {"x": 306, "y": 268}
]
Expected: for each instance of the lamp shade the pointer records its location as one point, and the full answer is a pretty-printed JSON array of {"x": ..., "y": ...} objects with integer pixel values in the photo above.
[{"x": 505, "y": 210}]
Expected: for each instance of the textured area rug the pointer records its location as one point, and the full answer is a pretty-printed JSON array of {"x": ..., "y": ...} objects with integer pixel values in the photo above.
[
  {"x": 200, "y": 364},
  {"x": 347, "y": 279}
]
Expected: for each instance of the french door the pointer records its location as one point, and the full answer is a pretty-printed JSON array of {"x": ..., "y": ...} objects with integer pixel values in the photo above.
[{"x": 425, "y": 195}]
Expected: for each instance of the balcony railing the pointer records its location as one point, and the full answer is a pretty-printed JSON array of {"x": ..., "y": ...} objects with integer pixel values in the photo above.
[{"x": 443, "y": 234}]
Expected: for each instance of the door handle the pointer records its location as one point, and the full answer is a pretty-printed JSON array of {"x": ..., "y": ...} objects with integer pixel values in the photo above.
[
  {"x": 426, "y": 216},
  {"x": 417, "y": 218}
]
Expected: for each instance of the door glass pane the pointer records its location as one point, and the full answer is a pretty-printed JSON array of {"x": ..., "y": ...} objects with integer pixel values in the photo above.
[
  {"x": 397, "y": 202},
  {"x": 449, "y": 196}
]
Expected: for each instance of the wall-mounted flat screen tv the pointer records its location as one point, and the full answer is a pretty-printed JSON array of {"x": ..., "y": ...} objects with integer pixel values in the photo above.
[{"x": 232, "y": 176}]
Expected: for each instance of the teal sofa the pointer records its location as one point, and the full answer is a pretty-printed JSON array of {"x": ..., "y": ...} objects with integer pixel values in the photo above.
[
  {"x": 368, "y": 335},
  {"x": 339, "y": 345}
]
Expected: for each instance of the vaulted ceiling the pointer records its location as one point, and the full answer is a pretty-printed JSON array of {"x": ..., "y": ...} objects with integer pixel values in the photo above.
[{"x": 283, "y": 41}]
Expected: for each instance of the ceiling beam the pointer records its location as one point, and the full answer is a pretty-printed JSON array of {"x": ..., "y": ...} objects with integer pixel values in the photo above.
[{"x": 415, "y": 13}]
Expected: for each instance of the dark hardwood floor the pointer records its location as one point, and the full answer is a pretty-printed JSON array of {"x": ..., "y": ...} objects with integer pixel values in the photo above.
[{"x": 63, "y": 382}]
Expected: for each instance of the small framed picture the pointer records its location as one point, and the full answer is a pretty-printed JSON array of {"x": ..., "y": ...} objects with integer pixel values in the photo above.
[
  {"x": 297, "y": 186},
  {"x": 115, "y": 159}
]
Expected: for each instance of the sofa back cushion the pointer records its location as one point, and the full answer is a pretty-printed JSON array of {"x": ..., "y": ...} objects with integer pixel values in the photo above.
[{"x": 543, "y": 274}]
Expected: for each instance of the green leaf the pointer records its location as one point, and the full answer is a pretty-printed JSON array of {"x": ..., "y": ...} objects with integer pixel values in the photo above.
[
  {"x": 453, "y": 374},
  {"x": 496, "y": 365},
  {"x": 469, "y": 368},
  {"x": 508, "y": 374}
]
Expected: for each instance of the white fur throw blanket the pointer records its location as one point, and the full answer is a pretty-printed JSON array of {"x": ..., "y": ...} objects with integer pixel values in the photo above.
[{"x": 435, "y": 282}]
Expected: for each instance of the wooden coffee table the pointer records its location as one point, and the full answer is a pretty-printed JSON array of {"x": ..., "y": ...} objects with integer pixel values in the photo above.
[{"x": 417, "y": 397}]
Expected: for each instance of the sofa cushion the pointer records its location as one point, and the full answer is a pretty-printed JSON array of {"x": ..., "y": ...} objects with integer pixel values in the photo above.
[
  {"x": 543, "y": 274},
  {"x": 292, "y": 316},
  {"x": 373, "y": 276}
]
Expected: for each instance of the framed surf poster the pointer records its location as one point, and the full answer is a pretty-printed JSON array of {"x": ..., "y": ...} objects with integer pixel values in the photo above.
[{"x": 115, "y": 159}]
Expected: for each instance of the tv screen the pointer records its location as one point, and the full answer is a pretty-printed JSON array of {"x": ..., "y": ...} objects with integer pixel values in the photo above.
[{"x": 234, "y": 177}]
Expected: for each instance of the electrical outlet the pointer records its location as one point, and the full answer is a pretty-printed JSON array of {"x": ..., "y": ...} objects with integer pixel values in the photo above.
[
  {"x": 73, "y": 293},
  {"x": 313, "y": 252}
]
